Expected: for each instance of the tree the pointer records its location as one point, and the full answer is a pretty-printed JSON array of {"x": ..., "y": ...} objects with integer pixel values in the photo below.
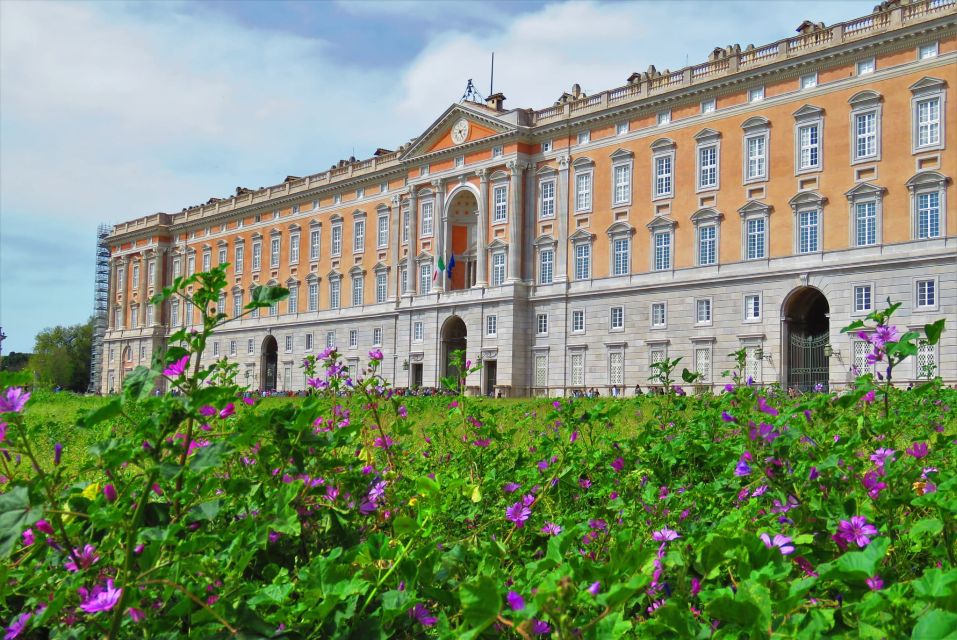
[
  {"x": 14, "y": 361},
  {"x": 61, "y": 356}
]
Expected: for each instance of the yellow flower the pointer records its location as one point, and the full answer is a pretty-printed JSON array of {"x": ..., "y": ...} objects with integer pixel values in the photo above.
[{"x": 92, "y": 490}]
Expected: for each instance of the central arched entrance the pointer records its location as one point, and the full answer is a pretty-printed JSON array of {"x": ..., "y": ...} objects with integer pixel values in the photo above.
[
  {"x": 806, "y": 317},
  {"x": 460, "y": 244},
  {"x": 454, "y": 338},
  {"x": 270, "y": 362}
]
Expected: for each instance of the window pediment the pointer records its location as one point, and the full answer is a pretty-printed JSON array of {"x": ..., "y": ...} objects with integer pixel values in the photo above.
[
  {"x": 808, "y": 112},
  {"x": 294, "y": 227},
  {"x": 498, "y": 176},
  {"x": 311, "y": 278},
  {"x": 756, "y": 123},
  {"x": 495, "y": 244},
  {"x": 662, "y": 223},
  {"x": 380, "y": 267},
  {"x": 620, "y": 228},
  {"x": 755, "y": 208},
  {"x": 275, "y": 232},
  {"x": 358, "y": 214},
  {"x": 622, "y": 154},
  {"x": 291, "y": 282},
  {"x": 707, "y": 135},
  {"x": 315, "y": 223},
  {"x": 356, "y": 271},
  {"x": 807, "y": 199},
  {"x": 926, "y": 84},
  {"x": 222, "y": 243},
  {"x": 425, "y": 193},
  {"x": 865, "y": 98},
  {"x": 382, "y": 208},
  {"x": 424, "y": 256},
  {"x": 706, "y": 214},
  {"x": 865, "y": 190},
  {"x": 663, "y": 144},
  {"x": 581, "y": 236},
  {"x": 545, "y": 240},
  {"x": 272, "y": 283},
  {"x": 335, "y": 218},
  {"x": 257, "y": 236},
  {"x": 924, "y": 179},
  {"x": 237, "y": 289},
  {"x": 584, "y": 162},
  {"x": 334, "y": 275},
  {"x": 546, "y": 171}
]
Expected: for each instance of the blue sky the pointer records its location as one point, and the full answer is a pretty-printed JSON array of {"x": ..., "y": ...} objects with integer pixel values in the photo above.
[{"x": 113, "y": 110}]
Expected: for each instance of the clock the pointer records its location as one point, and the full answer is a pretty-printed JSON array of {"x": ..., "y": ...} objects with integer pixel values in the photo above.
[{"x": 460, "y": 131}]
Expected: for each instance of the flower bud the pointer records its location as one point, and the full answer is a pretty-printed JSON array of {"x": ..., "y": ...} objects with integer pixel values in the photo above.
[
  {"x": 109, "y": 491},
  {"x": 44, "y": 526},
  {"x": 57, "y": 453}
]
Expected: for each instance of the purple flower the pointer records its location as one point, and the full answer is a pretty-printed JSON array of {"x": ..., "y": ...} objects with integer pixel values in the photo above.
[
  {"x": 540, "y": 627},
  {"x": 875, "y": 583},
  {"x": 403, "y": 412},
  {"x": 14, "y": 400},
  {"x": 884, "y": 334},
  {"x": 918, "y": 450},
  {"x": 518, "y": 513},
  {"x": 482, "y": 442},
  {"x": 664, "y": 535},
  {"x": 57, "y": 453},
  {"x": 44, "y": 527},
  {"x": 765, "y": 408},
  {"x": 375, "y": 355},
  {"x": 594, "y": 588},
  {"x": 207, "y": 411},
  {"x": 136, "y": 614},
  {"x": 869, "y": 397},
  {"x": 584, "y": 483},
  {"x": 727, "y": 417},
  {"x": 551, "y": 529},
  {"x": 3, "y": 431},
  {"x": 695, "y": 586},
  {"x": 782, "y": 542},
  {"x": 742, "y": 468},
  {"x": 18, "y": 626},
  {"x": 176, "y": 369},
  {"x": 729, "y": 388},
  {"x": 28, "y": 538},
  {"x": 109, "y": 492},
  {"x": 542, "y": 465},
  {"x": 511, "y": 487},
  {"x": 228, "y": 410},
  {"x": 515, "y": 601},
  {"x": 557, "y": 404},
  {"x": 422, "y": 615},
  {"x": 618, "y": 464},
  {"x": 815, "y": 474},
  {"x": 377, "y": 491},
  {"x": 573, "y": 437},
  {"x": 872, "y": 482},
  {"x": 856, "y": 530},
  {"x": 82, "y": 559},
  {"x": 880, "y": 456},
  {"x": 100, "y": 598}
]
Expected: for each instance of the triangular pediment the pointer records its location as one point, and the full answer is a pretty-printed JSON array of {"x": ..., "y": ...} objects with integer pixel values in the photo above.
[
  {"x": 481, "y": 123},
  {"x": 864, "y": 189},
  {"x": 581, "y": 236},
  {"x": 928, "y": 84},
  {"x": 754, "y": 207}
]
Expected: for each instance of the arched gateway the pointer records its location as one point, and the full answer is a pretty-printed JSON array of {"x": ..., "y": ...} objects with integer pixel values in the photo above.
[
  {"x": 454, "y": 338},
  {"x": 270, "y": 360},
  {"x": 806, "y": 319}
]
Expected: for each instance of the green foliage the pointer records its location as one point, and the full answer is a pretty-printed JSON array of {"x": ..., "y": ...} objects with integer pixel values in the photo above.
[
  {"x": 61, "y": 356},
  {"x": 358, "y": 513}
]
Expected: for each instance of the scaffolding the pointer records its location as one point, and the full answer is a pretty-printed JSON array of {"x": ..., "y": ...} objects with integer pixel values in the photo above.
[{"x": 101, "y": 299}]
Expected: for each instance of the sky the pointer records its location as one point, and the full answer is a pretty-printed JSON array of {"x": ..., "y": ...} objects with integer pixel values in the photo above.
[{"x": 114, "y": 110}]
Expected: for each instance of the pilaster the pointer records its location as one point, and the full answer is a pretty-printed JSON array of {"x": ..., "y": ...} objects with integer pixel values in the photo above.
[
  {"x": 438, "y": 186},
  {"x": 481, "y": 277},
  {"x": 411, "y": 276},
  {"x": 561, "y": 208},
  {"x": 514, "y": 222}
]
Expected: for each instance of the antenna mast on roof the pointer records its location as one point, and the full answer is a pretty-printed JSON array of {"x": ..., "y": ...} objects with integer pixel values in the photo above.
[
  {"x": 471, "y": 93},
  {"x": 491, "y": 80}
]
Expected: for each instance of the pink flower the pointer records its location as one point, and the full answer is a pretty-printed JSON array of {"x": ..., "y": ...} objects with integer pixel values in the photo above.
[
  {"x": 856, "y": 530},
  {"x": 551, "y": 529},
  {"x": 695, "y": 586},
  {"x": 176, "y": 369},
  {"x": 376, "y": 355},
  {"x": 14, "y": 400},
  {"x": 207, "y": 411},
  {"x": 45, "y": 527},
  {"x": 515, "y": 600},
  {"x": 100, "y": 598},
  {"x": 82, "y": 559},
  {"x": 228, "y": 410},
  {"x": 880, "y": 456},
  {"x": 765, "y": 408},
  {"x": 136, "y": 614},
  {"x": 109, "y": 492},
  {"x": 518, "y": 513},
  {"x": 918, "y": 450},
  {"x": 403, "y": 412},
  {"x": 665, "y": 535},
  {"x": 17, "y": 627},
  {"x": 28, "y": 538},
  {"x": 3, "y": 431},
  {"x": 594, "y": 588},
  {"x": 618, "y": 464},
  {"x": 875, "y": 583},
  {"x": 422, "y": 615},
  {"x": 782, "y": 542},
  {"x": 869, "y": 397}
]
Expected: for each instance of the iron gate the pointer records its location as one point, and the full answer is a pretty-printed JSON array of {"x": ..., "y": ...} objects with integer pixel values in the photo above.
[{"x": 807, "y": 365}]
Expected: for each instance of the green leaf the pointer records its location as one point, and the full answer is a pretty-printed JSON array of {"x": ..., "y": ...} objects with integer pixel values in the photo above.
[
  {"x": 110, "y": 410},
  {"x": 266, "y": 297},
  {"x": 404, "y": 525},
  {"x": 207, "y": 457},
  {"x": 857, "y": 566},
  {"x": 936, "y": 584},
  {"x": 16, "y": 515},
  {"x": 205, "y": 511},
  {"x": 688, "y": 376},
  {"x": 854, "y": 326},
  {"x": 936, "y": 625},
  {"x": 139, "y": 383},
  {"x": 933, "y": 331},
  {"x": 480, "y": 603}
]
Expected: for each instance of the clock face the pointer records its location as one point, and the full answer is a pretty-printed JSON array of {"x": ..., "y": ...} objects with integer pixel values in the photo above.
[{"x": 460, "y": 131}]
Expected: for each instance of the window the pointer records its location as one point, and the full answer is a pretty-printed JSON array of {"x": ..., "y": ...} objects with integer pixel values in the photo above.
[
  {"x": 221, "y": 258},
  {"x": 382, "y": 232},
  {"x": 330, "y": 339},
  {"x": 616, "y": 320},
  {"x": 257, "y": 256},
  {"x": 151, "y": 270},
  {"x": 173, "y": 312},
  {"x": 381, "y": 287},
  {"x": 335, "y": 290},
  {"x": 336, "y": 239},
  {"x": 288, "y": 344},
  {"x": 427, "y": 219},
  {"x": 357, "y": 291},
  {"x": 308, "y": 342},
  {"x": 188, "y": 313},
  {"x": 584, "y": 137},
  {"x": 709, "y": 106},
  {"x": 756, "y": 94},
  {"x": 622, "y": 184},
  {"x": 926, "y": 294},
  {"x": 621, "y": 128},
  {"x": 663, "y": 172},
  {"x": 755, "y": 236},
  {"x": 360, "y": 193},
  {"x": 578, "y": 321},
  {"x": 418, "y": 331},
  {"x": 583, "y": 192},
  {"x": 491, "y": 325},
  {"x": 866, "y": 66},
  {"x": 703, "y": 311},
  {"x": 664, "y": 117},
  {"x": 232, "y": 348},
  {"x": 405, "y": 226},
  {"x": 616, "y": 368},
  {"x": 621, "y": 256},
  {"x": 497, "y": 151},
  {"x": 353, "y": 338},
  {"x": 295, "y": 209},
  {"x": 424, "y": 170},
  {"x": 314, "y": 237},
  {"x": 190, "y": 265},
  {"x": 541, "y": 324},
  {"x": 757, "y": 157},
  {"x": 221, "y": 303},
  {"x": 237, "y": 304},
  {"x": 659, "y": 316},
  {"x": 403, "y": 279},
  {"x": 149, "y": 315},
  {"x": 708, "y": 167},
  {"x": 865, "y": 223},
  {"x": 662, "y": 241},
  {"x": 216, "y": 349},
  {"x": 547, "y": 199},
  {"x": 500, "y": 203},
  {"x": 752, "y": 308},
  {"x": 546, "y": 266},
  {"x": 292, "y": 302},
  {"x": 498, "y": 268},
  {"x": 809, "y": 226},
  {"x": 541, "y": 369},
  {"x": 274, "y": 309},
  {"x": 578, "y": 369},
  {"x": 546, "y": 146},
  {"x": 927, "y": 115},
  {"x": 809, "y": 81},
  {"x": 459, "y": 162},
  {"x": 250, "y": 346},
  {"x": 313, "y": 296},
  {"x": 425, "y": 277},
  {"x": 176, "y": 271},
  {"x": 358, "y": 236},
  {"x": 926, "y": 51},
  {"x": 136, "y": 276},
  {"x": 377, "y": 337},
  {"x": 582, "y": 261},
  {"x": 383, "y": 187},
  {"x": 702, "y": 363},
  {"x": 809, "y": 147},
  {"x": 134, "y": 317},
  {"x": 707, "y": 245},
  {"x": 274, "y": 252},
  {"x": 926, "y": 361},
  {"x": 862, "y": 298},
  {"x": 294, "y": 248},
  {"x": 865, "y": 135},
  {"x": 928, "y": 215}
]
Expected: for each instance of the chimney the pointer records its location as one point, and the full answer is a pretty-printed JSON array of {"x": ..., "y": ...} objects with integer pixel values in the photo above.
[{"x": 496, "y": 101}]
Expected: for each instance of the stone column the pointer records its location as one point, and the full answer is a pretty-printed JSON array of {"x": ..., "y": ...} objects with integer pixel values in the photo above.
[
  {"x": 438, "y": 232},
  {"x": 481, "y": 277},
  {"x": 528, "y": 226},
  {"x": 111, "y": 296},
  {"x": 515, "y": 222},
  {"x": 144, "y": 291},
  {"x": 561, "y": 211},
  {"x": 395, "y": 219},
  {"x": 410, "y": 279}
]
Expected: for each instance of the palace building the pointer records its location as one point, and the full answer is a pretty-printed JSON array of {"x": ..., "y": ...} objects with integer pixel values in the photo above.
[{"x": 760, "y": 200}]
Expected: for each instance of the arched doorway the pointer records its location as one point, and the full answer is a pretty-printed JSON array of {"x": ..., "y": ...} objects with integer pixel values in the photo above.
[
  {"x": 454, "y": 338},
  {"x": 462, "y": 212},
  {"x": 806, "y": 318},
  {"x": 270, "y": 361}
]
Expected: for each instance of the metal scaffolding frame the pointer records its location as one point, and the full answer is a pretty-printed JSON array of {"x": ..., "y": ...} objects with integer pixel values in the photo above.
[{"x": 101, "y": 296}]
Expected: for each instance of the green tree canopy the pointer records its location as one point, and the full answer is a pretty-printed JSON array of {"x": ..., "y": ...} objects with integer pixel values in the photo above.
[{"x": 61, "y": 356}]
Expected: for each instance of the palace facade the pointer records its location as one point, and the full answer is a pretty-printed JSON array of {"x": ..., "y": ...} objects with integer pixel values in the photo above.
[{"x": 760, "y": 200}]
